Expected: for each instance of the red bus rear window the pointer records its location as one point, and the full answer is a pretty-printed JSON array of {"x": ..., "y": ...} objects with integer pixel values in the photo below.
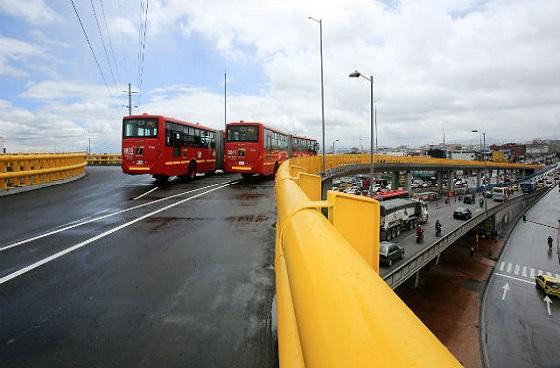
[
  {"x": 243, "y": 133},
  {"x": 140, "y": 128}
]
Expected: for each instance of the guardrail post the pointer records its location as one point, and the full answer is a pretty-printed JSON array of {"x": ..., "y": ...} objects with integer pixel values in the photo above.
[
  {"x": 357, "y": 219},
  {"x": 311, "y": 186},
  {"x": 3, "y": 183}
]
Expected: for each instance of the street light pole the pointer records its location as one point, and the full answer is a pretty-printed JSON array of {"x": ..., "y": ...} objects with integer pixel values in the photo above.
[
  {"x": 357, "y": 74},
  {"x": 324, "y": 163},
  {"x": 336, "y": 140}
]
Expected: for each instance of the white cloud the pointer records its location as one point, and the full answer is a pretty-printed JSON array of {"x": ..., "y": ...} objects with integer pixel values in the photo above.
[
  {"x": 33, "y": 11},
  {"x": 123, "y": 26},
  {"x": 15, "y": 51},
  {"x": 472, "y": 64}
]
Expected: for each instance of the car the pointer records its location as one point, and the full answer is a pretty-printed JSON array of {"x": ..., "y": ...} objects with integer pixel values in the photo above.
[
  {"x": 468, "y": 198},
  {"x": 462, "y": 213},
  {"x": 514, "y": 188},
  {"x": 389, "y": 252},
  {"x": 488, "y": 194},
  {"x": 550, "y": 285}
]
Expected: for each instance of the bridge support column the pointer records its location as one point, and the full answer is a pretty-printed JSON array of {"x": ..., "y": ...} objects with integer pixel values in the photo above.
[
  {"x": 416, "y": 280},
  {"x": 451, "y": 180},
  {"x": 498, "y": 173},
  {"x": 439, "y": 175},
  {"x": 478, "y": 179},
  {"x": 408, "y": 182},
  {"x": 396, "y": 180}
]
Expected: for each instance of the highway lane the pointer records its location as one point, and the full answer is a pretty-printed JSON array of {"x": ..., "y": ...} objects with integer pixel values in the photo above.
[
  {"x": 444, "y": 213},
  {"x": 184, "y": 281},
  {"x": 518, "y": 330}
]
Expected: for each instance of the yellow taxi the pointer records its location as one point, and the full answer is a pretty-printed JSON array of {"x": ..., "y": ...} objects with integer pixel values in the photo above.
[{"x": 549, "y": 284}]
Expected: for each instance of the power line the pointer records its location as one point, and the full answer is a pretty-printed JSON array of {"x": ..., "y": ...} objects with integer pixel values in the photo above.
[
  {"x": 110, "y": 41},
  {"x": 141, "y": 66},
  {"x": 102, "y": 41},
  {"x": 123, "y": 49},
  {"x": 92, "y": 52}
]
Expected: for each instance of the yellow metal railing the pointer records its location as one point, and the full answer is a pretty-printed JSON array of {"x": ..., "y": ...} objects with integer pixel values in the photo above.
[
  {"x": 18, "y": 170},
  {"x": 104, "y": 159},
  {"x": 333, "y": 161},
  {"x": 334, "y": 310}
]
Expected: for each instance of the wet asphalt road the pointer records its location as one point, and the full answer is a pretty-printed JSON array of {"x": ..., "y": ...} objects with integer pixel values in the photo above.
[
  {"x": 518, "y": 330},
  {"x": 190, "y": 285},
  {"x": 444, "y": 213}
]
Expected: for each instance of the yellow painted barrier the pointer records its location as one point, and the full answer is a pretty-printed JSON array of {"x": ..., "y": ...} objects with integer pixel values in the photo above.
[
  {"x": 104, "y": 159},
  {"x": 313, "y": 164},
  {"x": 20, "y": 170},
  {"x": 334, "y": 310}
]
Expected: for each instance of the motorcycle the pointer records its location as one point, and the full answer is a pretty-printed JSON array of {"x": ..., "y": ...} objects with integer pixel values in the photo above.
[
  {"x": 481, "y": 202},
  {"x": 419, "y": 235},
  {"x": 438, "y": 231}
]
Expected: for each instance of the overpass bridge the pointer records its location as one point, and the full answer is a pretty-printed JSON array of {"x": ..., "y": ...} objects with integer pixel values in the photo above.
[{"x": 113, "y": 271}]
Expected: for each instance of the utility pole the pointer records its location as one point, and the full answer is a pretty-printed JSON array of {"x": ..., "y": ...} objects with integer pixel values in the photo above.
[
  {"x": 225, "y": 98},
  {"x": 130, "y": 92},
  {"x": 89, "y": 146}
]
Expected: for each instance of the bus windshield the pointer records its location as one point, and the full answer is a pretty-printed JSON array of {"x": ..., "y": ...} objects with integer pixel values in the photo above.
[
  {"x": 140, "y": 128},
  {"x": 243, "y": 133}
]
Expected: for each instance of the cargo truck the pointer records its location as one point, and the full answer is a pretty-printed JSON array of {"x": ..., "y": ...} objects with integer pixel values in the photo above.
[{"x": 401, "y": 214}]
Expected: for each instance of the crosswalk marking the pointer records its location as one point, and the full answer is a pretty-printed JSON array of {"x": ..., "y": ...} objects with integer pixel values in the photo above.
[{"x": 523, "y": 271}]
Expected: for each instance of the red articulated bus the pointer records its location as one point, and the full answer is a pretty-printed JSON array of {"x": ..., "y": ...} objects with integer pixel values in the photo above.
[
  {"x": 253, "y": 148},
  {"x": 165, "y": 147},
  {"x": 303, "y": 147}
]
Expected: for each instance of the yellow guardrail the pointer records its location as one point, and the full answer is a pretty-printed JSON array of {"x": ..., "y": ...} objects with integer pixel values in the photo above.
[
  {"x": 104, "y": 159},
  {"x": 334, "y": 310},
  {"x": 18, "y": 170},
  {"x": 334, "y": 161}
]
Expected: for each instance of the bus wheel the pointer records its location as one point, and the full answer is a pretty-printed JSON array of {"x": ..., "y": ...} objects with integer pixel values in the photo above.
[
  {"x": 247, "y": 175},
  {"x": 192, "y": 171},
  {"x": 275, "y": 169},
  {"x": 160, "y": 179}
]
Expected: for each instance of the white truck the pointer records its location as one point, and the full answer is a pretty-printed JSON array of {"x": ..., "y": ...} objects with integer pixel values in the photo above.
[{"x": 401, "y": 214}]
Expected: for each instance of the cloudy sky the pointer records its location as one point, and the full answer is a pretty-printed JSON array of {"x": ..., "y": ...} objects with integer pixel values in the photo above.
[{"x": 487, "y": 65}]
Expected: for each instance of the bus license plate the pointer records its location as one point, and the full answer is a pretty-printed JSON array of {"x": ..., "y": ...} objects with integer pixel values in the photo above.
[
  {"x": 241, "y": 163},
  {"x": 140, "y": 162}
]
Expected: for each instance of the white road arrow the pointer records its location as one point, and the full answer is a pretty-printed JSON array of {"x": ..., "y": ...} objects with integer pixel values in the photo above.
[
  {"x": 548, "y": 303},
  {"x": 506, "y": 289}
]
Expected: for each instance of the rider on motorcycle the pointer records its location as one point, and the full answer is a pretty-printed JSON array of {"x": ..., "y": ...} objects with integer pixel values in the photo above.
[
  {"x": 419, "y": 230},
  {"x": 550, "y": 242},
  {"x": 438, "y": 225}
]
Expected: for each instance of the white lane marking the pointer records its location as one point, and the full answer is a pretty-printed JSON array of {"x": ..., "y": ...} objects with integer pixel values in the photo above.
[
  {"x": 548, "y": 302},
  {"x": 102, "y": 235},
  {"x": 502, "y": 266},
  {"x": 514, "y": 278},
  {"x": 532, "y": 274},
  {"x": 506, "y": 289},
  {"x": 509, "y": 268},
  {"x": 516, "y": 270},
  {"x": 21, "y": 242},
  {"x": 524, "y": 272},
  {"x": 539, "y": 273},
  {"x": 142, "y": 195}
]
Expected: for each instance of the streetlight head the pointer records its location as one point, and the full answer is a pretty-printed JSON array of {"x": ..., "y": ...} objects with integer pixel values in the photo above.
[
  {"x": 475, "y": 131},
  {"x": 355, "y": 74},
  {"x": 315, "y": 19}
]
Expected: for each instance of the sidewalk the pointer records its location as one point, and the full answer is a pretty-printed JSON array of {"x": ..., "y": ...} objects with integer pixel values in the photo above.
[{"x": 448, "y": 298}]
